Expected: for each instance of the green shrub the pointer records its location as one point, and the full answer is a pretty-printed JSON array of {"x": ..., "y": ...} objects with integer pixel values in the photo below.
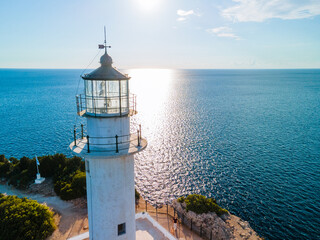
[
  {"x": 13, "y": 160},
  {"x": 69, "y": 179},
  {"x": 181, "y": 199},
  {"x": 78, "y": 184},
  {"x": 26, "y": 219},
  {"x": 48, "y": 166},
  {"x": 68, "y": 174},
  {"x": 200, "y": 204},
  {"x": 4, "y": 169},
  {"x": 136, "y": 195},
  {"x": 2, "y": 158},
  {"x": 66, "y": 192}
]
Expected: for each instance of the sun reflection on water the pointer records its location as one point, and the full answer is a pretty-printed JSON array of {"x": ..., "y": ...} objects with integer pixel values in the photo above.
[
  {"x": 166, "y": 124},
  {"x": 153, "y": 88}
]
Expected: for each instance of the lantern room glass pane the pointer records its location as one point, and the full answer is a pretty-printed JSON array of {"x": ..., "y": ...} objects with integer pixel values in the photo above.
[
  {"x": 88, "y": 91},
  {"x": 104, "y": 96},
  {"x": 124, "y": 88},
  {"x": 124, "y": 96},
  {"x": 99, "y": 96},
  {"x": 113, "y": 105}
]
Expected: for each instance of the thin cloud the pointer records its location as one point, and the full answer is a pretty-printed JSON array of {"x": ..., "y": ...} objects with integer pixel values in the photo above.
[
  {"x": 220, "y": 29},
  {"x": 181, "y": 19},
  {"x": 261, "y": 10},
  {"x": 223, "y": 32},
  {"x": 184, "y": 15}
]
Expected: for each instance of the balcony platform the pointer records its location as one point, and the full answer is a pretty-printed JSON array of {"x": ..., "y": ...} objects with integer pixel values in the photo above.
[
  {"x": 132, "y": 147},
  {"x": 130, "y": 113}
]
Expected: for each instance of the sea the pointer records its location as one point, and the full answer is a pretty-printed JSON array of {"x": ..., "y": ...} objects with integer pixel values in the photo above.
[{"x": 249, "y": 138}]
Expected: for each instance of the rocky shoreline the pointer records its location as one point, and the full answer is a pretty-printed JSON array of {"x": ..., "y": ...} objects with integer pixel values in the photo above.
[{"x": 226, "y": 227}]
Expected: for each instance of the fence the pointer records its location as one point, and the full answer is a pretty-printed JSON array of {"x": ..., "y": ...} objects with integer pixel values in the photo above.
[
  {"x": 108, "y": 144},
  {"x": 205, "y": 233},
  {"x": 157, "y": 208},
  {"x": 168, "y": 209}
]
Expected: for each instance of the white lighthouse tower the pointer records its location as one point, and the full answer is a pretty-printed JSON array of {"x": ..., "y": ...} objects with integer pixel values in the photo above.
[{"x": 108, "y": 150}]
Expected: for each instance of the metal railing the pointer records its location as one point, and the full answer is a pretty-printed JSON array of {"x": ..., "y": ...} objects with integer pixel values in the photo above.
[
  {"x": 112, "y": 144},
  {"x": 116, "y": 105},
  {"x": 170, "y": 211},
  {"x": 203, "y": 232}
]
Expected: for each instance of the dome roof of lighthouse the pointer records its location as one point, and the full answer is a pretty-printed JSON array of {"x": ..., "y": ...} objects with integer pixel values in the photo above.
[
  {"x": 105, "y": 71},
  {"x": 106, "y": 59}
]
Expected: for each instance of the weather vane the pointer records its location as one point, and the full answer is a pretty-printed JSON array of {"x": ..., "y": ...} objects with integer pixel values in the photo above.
[{"x": 101, "y": 46}]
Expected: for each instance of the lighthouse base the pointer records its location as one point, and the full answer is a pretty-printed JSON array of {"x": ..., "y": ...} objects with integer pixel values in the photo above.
[{"x": 111, "y": 197}]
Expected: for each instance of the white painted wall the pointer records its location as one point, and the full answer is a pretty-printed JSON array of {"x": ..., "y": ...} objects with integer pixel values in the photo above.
[
  {"x": 111, "y": 201},
  {"x": 107, "y": 127}
]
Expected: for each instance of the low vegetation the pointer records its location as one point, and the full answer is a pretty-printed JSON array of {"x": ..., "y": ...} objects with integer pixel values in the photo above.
[
  {"x": 200, "y": 204},
  {"x": 24, "y": 219},
  {"x": 136, "y": 195},
  {"x": 68, "y": 174}
]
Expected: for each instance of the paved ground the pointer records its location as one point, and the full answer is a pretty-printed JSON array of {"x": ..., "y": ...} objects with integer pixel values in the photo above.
[
  {"x": 166, "y": 220},
  {"x": 146, "y": 231}
]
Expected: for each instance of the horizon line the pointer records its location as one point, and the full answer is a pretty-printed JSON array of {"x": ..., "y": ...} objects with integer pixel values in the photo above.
[{"x": 155, "y": 68}]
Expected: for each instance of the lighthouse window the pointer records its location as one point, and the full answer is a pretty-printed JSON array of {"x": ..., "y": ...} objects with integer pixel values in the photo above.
[
  {"x": 124, "y": 89},
  {"x": 121, "y": 229},
  {"x": 106, "y": 96},
  {"x": 113, "y": 89},
  {"x": 88, "y": 88},
  {"x": 88, "y": 91}
]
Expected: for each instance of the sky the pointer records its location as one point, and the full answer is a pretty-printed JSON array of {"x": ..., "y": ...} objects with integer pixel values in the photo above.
[{"x": 187, "y": 34}]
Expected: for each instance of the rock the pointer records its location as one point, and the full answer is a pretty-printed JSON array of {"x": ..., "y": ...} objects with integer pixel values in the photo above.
[
  {"x": 225, "y": 216},
  {"x": 223, "y": 228},
  {"x": 242, "y": 234},
  {"x": 211, "y": 221},
  {"x": 244, "y": 224}
]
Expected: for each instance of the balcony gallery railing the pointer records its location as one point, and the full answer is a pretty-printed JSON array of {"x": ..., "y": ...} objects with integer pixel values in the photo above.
[
  {"x": 106, "y": 106},
  {"x": 108, "y": 144}
]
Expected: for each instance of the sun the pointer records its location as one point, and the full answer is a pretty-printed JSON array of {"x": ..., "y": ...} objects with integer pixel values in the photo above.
[{"x": 148, "y": 5}]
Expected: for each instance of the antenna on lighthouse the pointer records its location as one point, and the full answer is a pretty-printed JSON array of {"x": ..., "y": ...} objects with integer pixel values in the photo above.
[{"x": 105, "y": 41}]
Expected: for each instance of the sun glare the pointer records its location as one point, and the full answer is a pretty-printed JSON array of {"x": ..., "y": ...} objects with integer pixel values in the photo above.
[
  {"x": 148, "y": 5},
  {"x": 153, "y": 88}
]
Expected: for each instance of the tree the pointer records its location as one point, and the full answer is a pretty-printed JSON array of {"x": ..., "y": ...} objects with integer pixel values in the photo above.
[{"x": 26, "y": 219}]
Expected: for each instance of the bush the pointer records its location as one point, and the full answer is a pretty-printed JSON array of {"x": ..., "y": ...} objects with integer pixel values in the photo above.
[
  {"x": 13, "y": 160},
  {"x": 22, "y": 173},
  {"x": 48, "y": 166},
  {"x": 181, "y": 199},
  {"x": 2, "y": 158},
  {"x": 78, "y": 184},
  {"x": 200, "y": 204},
  {"x": 70, "y": 178},
  {"x": 4, "y": 169},
  {"x": 66, "y": 192},
  {"x": 136, "y": 195},
  {"x": 68, "y": 174},
  {"x": 26, "y": 219}
]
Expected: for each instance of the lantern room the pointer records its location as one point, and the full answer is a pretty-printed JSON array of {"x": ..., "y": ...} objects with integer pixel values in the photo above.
[{"x": 106, "y": 92}]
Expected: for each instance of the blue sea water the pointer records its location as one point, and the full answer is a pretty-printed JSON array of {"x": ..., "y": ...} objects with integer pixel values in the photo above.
[{"x": 249, "y": 138}]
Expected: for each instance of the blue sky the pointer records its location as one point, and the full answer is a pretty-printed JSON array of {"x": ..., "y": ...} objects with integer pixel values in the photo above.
[{"x": 161, "y": 33}]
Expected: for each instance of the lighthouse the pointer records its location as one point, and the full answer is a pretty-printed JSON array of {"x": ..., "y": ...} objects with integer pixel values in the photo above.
[{"x": 108, "y": 149}]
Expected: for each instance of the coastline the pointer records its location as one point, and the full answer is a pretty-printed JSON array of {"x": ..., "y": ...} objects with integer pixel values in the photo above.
[{"x": 71, "y": 216}]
